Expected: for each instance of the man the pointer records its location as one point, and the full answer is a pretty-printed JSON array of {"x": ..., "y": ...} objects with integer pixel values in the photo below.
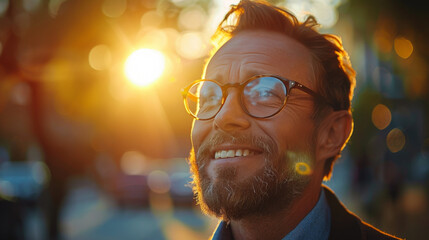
[{"x": 271, "y": 116}]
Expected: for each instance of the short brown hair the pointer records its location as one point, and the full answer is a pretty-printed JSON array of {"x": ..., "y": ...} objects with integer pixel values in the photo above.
[{"x": 336, "y": 77}]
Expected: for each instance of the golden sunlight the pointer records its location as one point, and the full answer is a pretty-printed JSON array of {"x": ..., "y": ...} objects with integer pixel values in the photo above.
[{"x": 144, "y": 66}]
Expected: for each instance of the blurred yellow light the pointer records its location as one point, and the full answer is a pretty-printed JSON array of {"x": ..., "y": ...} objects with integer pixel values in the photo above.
[
  {"x": 381, "y": 116},
  {"x": 155, "y": 38},
  {"x": 192, "y": 18},
  {"x": 303, "y": 168},
  {"x": 191, "y": 45},
  {"x": 395, "y": 140},
  {"x": 182, "y": 3},
  {"x": 144, "y": 66},
  {"x": 100, "y": 57},
  {"x": 114, "y": 8},
  {"x": 403, "y": 47},
  {"x": 151, "y": 19},
  {"x": 133, "y": 163}
]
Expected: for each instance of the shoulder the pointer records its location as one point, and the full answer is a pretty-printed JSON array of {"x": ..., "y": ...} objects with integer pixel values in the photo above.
[
  {"x": 346, "y": 225},
  {"x": 369, "y": 232}
]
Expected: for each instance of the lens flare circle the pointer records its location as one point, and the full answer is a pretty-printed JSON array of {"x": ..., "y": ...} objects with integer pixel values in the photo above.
[{"x": 144, "y": 66}]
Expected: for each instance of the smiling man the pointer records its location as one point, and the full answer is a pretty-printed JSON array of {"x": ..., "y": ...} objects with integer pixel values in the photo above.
[{"x": 272, "y": 114}]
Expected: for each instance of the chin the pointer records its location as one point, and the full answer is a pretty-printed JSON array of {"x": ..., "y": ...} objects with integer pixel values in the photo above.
[{"x": 231, "y": 195}]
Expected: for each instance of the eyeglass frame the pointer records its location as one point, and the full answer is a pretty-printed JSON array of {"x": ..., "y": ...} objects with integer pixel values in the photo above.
[{"x": 289, "y": 85}]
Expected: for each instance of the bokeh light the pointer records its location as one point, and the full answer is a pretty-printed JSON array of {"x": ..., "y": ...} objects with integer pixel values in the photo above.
[
  {"x": 325, "y": 11},
  {"x": 191, "y": 45},
  {"x": 40, "y": 172},
  {"x": 114, "y": 8},
  {"x": 182, "y": 3},
  {"x": 151, "y": 19},
  {"x": 133, "y": 163},
  {"x": 192, "y": 18},
  {"x": 301, "y": 162},
  {"x": 383, "y": 40},
  {"x": 4, "y": 5},
  {"x": 381, "y": 116},
  {"x": 21, "y": 94},
  {"x": 100, "y": 57},
  {"x": 154, "y": 38},
  {"x": 395, "y": 140},
  {"x": 158, "y": 181},
  {"x": 403, "y": 47},
  {"x": 6, "y": 190},
  {"x": 30, "y": 5},
  {"x": 303, "y": 168},
  {"x": 54, "y": 6},
  {"x": 414, "y": 200},
  {"x": 144, "y": 66}
]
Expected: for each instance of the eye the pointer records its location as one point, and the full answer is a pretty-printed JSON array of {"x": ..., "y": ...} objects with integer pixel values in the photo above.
[
  {"x": 210, "y": 98},
  {"x": 264, "y": 93}
]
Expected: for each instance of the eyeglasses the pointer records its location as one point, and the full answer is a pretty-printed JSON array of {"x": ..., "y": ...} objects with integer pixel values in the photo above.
[{"x": 261, "y": 96}]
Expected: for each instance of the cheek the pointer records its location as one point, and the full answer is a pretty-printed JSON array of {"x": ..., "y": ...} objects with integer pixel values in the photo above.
[
  {"x": 200, "y": 129},
  {"x": 289, "y": 134}
]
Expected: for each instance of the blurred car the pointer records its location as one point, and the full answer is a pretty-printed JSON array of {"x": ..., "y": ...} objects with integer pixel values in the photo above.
[{"x": 128, "y": 190}]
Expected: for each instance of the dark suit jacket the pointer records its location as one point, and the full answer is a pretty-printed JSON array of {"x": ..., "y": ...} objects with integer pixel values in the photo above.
[{"x": 346, "y": 225}]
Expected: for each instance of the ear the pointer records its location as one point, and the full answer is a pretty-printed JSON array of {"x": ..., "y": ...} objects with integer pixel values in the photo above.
[{"x": 334, "y": 132}]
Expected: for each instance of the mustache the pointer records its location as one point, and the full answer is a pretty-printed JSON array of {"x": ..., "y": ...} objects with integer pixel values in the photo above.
[{"x": 204, "y": 152}]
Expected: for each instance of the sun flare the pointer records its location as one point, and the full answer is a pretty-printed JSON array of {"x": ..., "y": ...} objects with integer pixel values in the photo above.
[{"x": 144, "y": 66}]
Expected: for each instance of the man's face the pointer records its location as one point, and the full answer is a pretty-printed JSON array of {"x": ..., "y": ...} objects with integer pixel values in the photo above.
[{"x": 264, "y": 163}]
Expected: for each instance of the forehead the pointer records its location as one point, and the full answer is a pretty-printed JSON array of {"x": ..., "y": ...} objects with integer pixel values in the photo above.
[{"x": 261, "y": 52}]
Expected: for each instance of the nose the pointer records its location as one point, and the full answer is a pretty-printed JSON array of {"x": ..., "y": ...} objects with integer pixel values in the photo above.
[{"x": 231, "y": 117}]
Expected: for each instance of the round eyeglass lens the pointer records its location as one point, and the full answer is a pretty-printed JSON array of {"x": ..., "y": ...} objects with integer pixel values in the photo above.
[
  {"x": 204, "y": 99},
  {"x": 264, "y": 97}
]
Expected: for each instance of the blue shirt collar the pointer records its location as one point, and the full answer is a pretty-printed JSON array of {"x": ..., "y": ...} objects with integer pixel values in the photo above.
[{"x": 318, "y": 220}]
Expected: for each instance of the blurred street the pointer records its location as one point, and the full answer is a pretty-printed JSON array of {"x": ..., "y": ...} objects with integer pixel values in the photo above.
[
  {"x": 94, "y": 135},
  {"x": 91, "y": 214}
]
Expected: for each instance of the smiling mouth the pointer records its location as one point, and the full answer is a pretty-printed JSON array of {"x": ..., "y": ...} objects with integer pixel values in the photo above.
[{"x": 222, "y": 154}]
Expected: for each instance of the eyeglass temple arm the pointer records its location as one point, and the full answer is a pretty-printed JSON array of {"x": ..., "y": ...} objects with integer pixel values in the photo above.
[{"x": 311, "y": 92}]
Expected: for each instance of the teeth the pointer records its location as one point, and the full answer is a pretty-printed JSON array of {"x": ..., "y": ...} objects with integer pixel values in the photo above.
[
  {"x": 233, "y": 153},
  {"x": 246, "y": 152},
  {"x": 238, "y": 153}
]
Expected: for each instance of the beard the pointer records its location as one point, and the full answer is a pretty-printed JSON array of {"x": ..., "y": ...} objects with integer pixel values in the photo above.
[{"x": 269, "y": 190}]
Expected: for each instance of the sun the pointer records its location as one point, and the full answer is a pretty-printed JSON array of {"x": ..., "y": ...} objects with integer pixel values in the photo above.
[{"x": 144, "y": 66}]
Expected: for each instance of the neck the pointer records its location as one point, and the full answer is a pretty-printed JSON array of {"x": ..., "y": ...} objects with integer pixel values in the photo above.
[{"x": 279, "y": 224}]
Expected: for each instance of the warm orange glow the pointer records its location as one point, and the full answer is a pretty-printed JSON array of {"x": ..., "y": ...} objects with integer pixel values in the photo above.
[
  {"x": 395, "y": 140},
  {"x": 403, "y": 47},
  {"x": 144, "y": 66},
  {"x": 381, "y": 116},
  {"x": 100, "y": 57},
  {"x": 191, "y": 45},
  {"x": 114, "y": 8},
  {"x": 192, "y": 18},
  {"x": 383, "y": 40},
  {"x": 133, "y": 163}
]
